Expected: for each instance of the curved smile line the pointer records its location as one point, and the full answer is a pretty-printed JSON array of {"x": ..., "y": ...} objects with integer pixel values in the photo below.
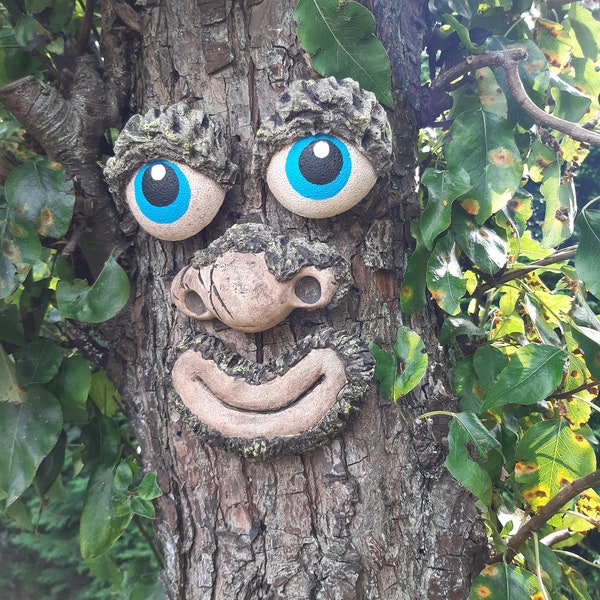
[
  {"x": 286, "y": 405},
  {"x": 299, "y": 400}
]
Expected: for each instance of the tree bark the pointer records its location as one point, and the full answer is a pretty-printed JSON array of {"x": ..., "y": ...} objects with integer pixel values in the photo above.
[{"x": 372, "y": 514}]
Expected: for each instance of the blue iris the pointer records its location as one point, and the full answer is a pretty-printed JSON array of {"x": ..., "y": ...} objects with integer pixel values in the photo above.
[
  {"x": 162, "y": 191},
  {"x": 318, "y": 167}
]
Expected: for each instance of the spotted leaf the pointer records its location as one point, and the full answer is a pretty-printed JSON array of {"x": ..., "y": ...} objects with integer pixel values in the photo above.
[
  {"x": 483, "y": 145},
  {"x": 505, "y": 582},
  {"x": 549, "y": 456}
]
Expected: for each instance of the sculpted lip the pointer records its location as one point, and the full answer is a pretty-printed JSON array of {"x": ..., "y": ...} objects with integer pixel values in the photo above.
[
  {"x": 300, "y": 400},
  {"x": 286, "y": 405}
]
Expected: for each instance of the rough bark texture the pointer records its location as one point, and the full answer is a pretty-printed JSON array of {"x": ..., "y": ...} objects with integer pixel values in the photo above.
[{"x": 372, "y": 514}]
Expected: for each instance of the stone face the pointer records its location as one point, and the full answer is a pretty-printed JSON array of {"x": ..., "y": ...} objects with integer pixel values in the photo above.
[{"x": 321, "y": 153}]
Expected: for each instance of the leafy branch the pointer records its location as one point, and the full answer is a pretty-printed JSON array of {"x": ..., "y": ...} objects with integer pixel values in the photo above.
[
  {"x": 518, "y": 273},
  {"x": 546, "y": 512},
  {"x": 509, "y": 61}
]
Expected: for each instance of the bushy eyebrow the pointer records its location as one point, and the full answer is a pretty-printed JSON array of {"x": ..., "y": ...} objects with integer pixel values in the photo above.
[
  {"x": 327, "y": 106},
  {"x": 178, "y": 133}
]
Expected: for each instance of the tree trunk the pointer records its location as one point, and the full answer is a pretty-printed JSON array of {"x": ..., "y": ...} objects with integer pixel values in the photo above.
[{"x": 373, "y": 513}]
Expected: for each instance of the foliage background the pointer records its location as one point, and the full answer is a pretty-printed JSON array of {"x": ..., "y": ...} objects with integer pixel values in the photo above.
[{"x": 506, "y": 247}]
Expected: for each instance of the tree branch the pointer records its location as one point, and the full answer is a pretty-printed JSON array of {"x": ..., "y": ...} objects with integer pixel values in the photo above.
[
  {"x": 509, "y": 61},
  {"x": 70, "y": 131},
  {"x": 546, "y": 512},
  {"x": 512, "y": 274}
]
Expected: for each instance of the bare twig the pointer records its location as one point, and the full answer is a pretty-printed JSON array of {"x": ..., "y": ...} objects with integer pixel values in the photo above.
[
  {"x": 86, "y": 27},
  {"x": 509, "y": 61},
  {"x": 546, "y": 512},
  {"x": 512, "y": 274},
  {"x": 590, "y": 385}
]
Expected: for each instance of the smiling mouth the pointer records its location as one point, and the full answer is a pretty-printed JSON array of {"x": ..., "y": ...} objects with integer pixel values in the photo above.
[{"x": 298, "y": 401}]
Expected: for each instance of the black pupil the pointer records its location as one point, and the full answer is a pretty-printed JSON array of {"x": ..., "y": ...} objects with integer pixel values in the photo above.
[
  {"x": 320, "y": 170},
  {"x": 160, "y": 184}
]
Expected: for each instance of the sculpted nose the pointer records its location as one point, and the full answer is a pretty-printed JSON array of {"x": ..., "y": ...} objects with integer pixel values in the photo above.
[
  {"x": 240, "y": 291},
  {"x": 251, "y": 279}
]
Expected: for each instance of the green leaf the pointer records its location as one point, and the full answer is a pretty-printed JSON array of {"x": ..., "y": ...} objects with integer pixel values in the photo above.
[
  {"x": 586, "y": 259},
  {"x": 148, "y": 488},
  {"x": 37, "y": 6},
  {"x": 469, "y": 445},
  {"x": 51, "y": 466},
  {"x": 102, "y": 440},
  {"x": 570, "y": 103},
  {"x": 71, "y": 386},
  {"x": 19, "y": 240},
  {"x": 576, "y": 583},
  {"x": 483, "y": 144},
  {"x": 98, "y": 303},
  {"x": 340, "y": 37},
  {"x": 533, "y": 373},
  {"x": 505, "y": 582},
  {"x": 40, "y": 193},
  {"x": 123, "y": 477},
  {"x": 9, "y": 278},
  {"x": 20, "y": 248},
  {"x": 142, "y": 507},
  {"x": 490, "y": 94},
  {"x": 488, "y": 362},
  {"x": 586, "y": 29},
  {"x": 10, "y": 391},
  {"x": 27, "y": 30},
  {"x": 585, "y": 78},
  {"x": 37, "y": 362},
  {"x": 104, "y": 394},
  {"x": 412, "y": 290},
  {"x": 456, "y": 326},
  {"x": 101, "y": 524},
  {"x": 554, "y": 41},
  {"x": 20, "y": 514},
  {"x": 105, "y": 568},
  {"x": 400, "y": 372},
  {"x": 466, "y": 386},
  {"x": 485, "y": 248},
  {"x": 11, "y": 329},
  {"x": 549, "y": 456},
  {"x": 443, "y": 187},
  {"x": 28, "y": 432},
  {"x": 56, "y": 46},
  {"x": 444, "y": 276},
  {"x": 588, "y": 341}
]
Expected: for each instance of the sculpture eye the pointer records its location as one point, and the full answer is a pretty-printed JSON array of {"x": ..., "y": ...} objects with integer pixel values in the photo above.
[
  {"x": 320, "y": 176},
  {"x": 171, "y": 201}
]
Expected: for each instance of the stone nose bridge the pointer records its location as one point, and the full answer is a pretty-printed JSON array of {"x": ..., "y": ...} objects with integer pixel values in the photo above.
[{"x": 251, "y": 279}]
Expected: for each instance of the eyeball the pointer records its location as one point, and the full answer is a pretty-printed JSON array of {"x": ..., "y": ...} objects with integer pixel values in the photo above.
[
  {"x": 320, "y": 176},
  {"x": 171, "y": 201}
]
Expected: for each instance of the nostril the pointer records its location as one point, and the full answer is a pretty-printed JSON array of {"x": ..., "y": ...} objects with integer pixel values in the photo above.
[
  {"x": 194, "y": 303},
  {"x": 308, "y": 289}
]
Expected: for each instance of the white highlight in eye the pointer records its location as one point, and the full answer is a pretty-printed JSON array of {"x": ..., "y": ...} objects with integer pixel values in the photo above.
[
  {"x": 321, "y": 149},
  {"x": 158, "y": 172}
]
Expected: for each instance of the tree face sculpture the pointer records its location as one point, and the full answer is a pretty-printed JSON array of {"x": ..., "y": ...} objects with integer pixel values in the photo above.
[{"x": 320, "y": 154}]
